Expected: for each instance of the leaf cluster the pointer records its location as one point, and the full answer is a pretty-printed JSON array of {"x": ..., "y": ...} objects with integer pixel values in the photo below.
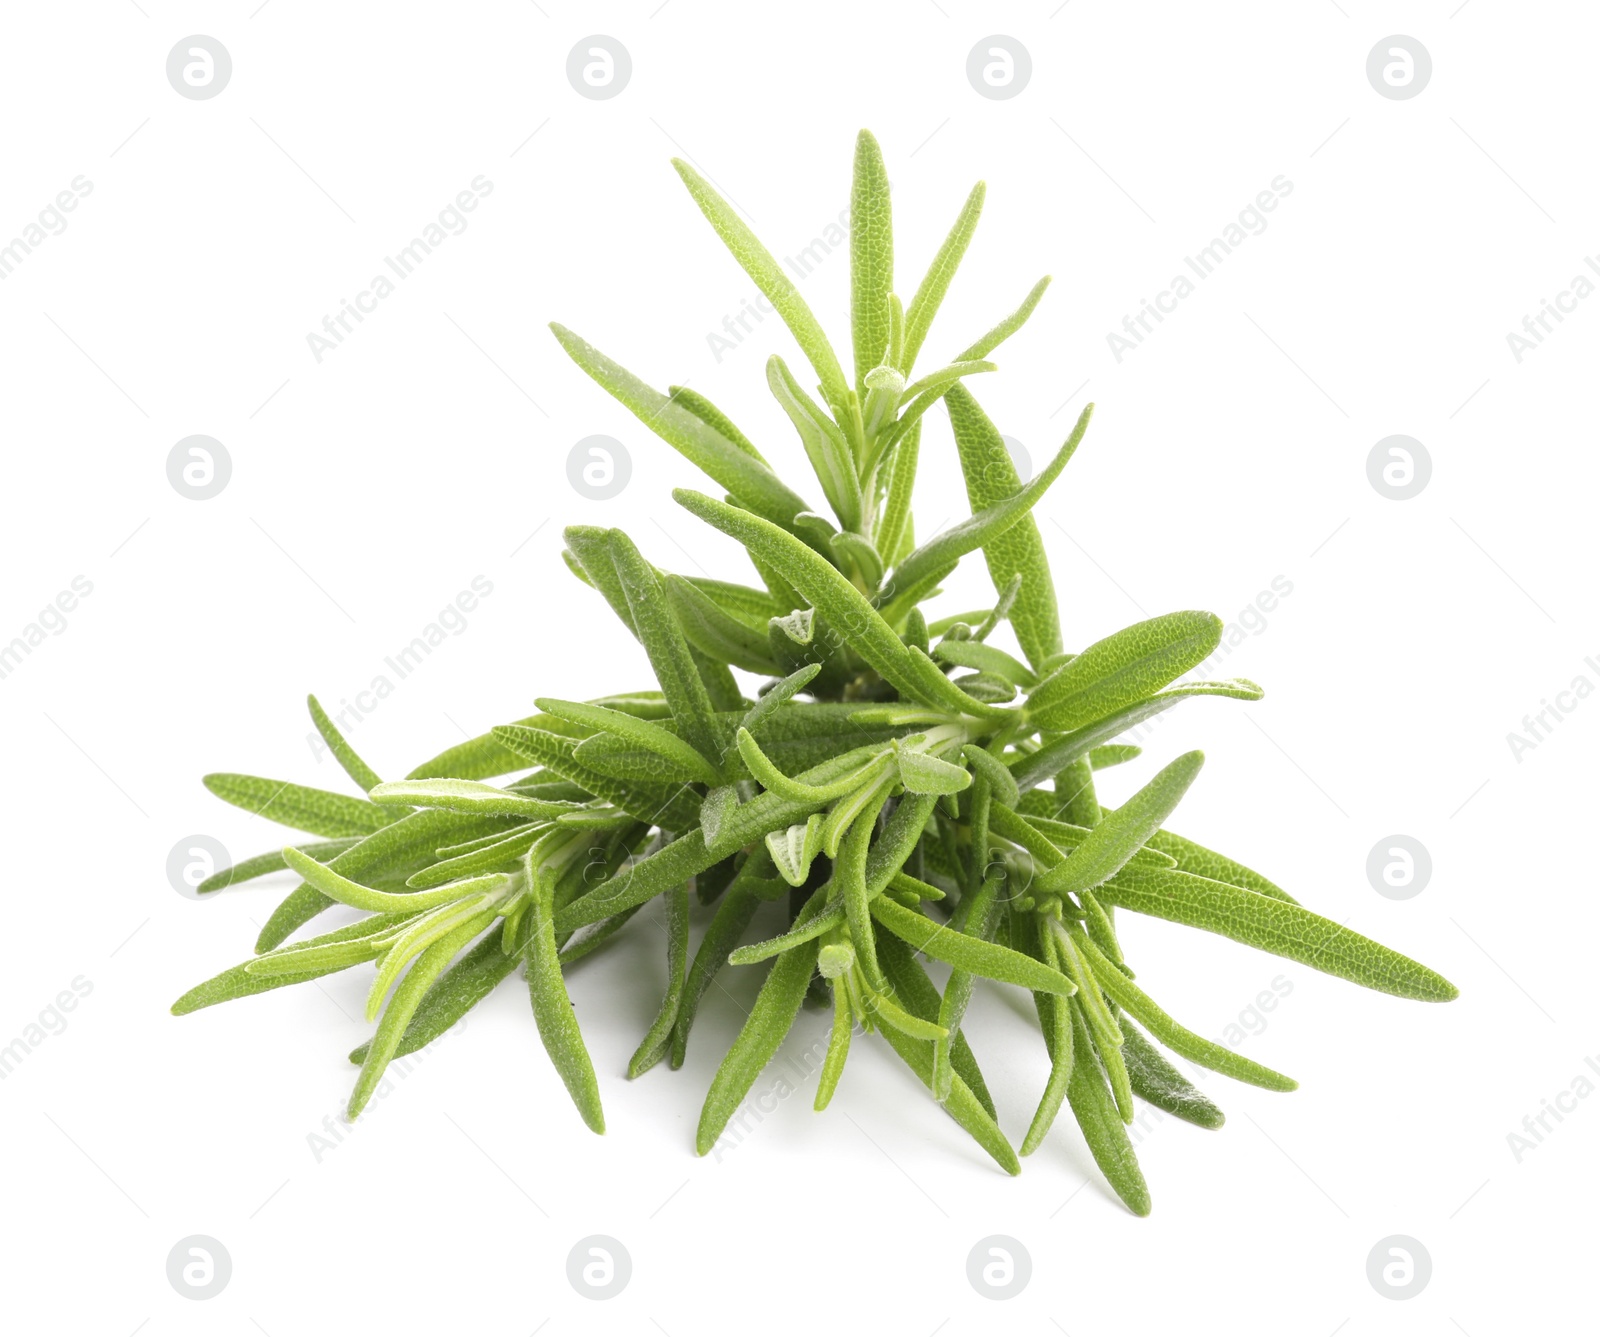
[{"x": 905, "y": 789}]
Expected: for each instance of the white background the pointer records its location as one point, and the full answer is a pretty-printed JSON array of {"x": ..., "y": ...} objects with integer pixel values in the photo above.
[{"x": 369, "y": 488}]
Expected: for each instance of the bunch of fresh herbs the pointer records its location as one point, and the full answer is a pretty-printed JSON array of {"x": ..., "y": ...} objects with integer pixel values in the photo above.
[{"x": 906, "y": 788}]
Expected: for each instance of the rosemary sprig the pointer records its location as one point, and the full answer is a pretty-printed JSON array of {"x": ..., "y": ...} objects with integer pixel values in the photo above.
[{"x": 907, "y": 785}]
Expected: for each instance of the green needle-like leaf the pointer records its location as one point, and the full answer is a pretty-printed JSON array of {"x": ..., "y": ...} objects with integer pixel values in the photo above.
[
  {"x": 889, "y": 1013},
  {"x": 658, "y": 1039},
  {"x": 986, "y": 766},
  {"x": 716, "y": 633},
  {"x": 240, "y": 981},
  {"x": 844, "y": 606},
  {"x": 987, "y": 658},
  {"x": 776, "y": 695},
  {"x": 968, "y": 1102},
  {"x": 755, "y": 608},
  {"x": 850, "y": 880},
  {"x": 669, "y": 654},
  {"x": 397, "y": 850},
  {"x": 713, "y": 417},
  {"x": 770, "y": 1019},
  {"x": 775, "y": 780},
  {"x": 1156, "y": 1081},
  {"x": 1055, "y": 1015},
  {"x": 552, "y": 1013},
  {"x": 775, "y": 285},
  {"x": 1142, "y": 1008},
  {"x": 737, "y": 908},
  {"x": 1197, "y": 859},
  {"x": 478, "y": 758},
  {"x": 923, "y": 773},
  {"x": 472, "y": 796},
  {"x": 991, "y": 478},
  {"x": 358, "y": 770},
  {"x": 921, "y": 397},
  {"x": 272, "y": 862},
  {"x": 456, "y": 992},
  {"x": 651, "y": 737},
  {"x": 1102, "y": 1125},
  {"x": 1055, "y": 757},
  {"x": 1123, "y": 831},
  {"x": 894, "y": 536},
  {"x": 640, "y": 882},
  {"x": 1008, "y": 326},
  {"x": 977, "y": 917},
  {"x": 497, "y": 853},
  {"x": 936, "y": 282},
  {"x": 673, "y": 804},
  {"x": 348, "y": 892},
  {"x": 1275, "y": 926},
  {"x": 815, "y": 927},
  {"x": 747, "y": 477},
  {"x": 871, "y": 258},
  {"x": 825, "y": 444},
  {"x": 416, "y": 937},
  {"x": 965, "y": 952},
  {"x": 1123, "y": 669},
  {"x": 403, "y": 1006},
  {"x": 838, "y": 1048},
  {"x": 318, "y": 811}
]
